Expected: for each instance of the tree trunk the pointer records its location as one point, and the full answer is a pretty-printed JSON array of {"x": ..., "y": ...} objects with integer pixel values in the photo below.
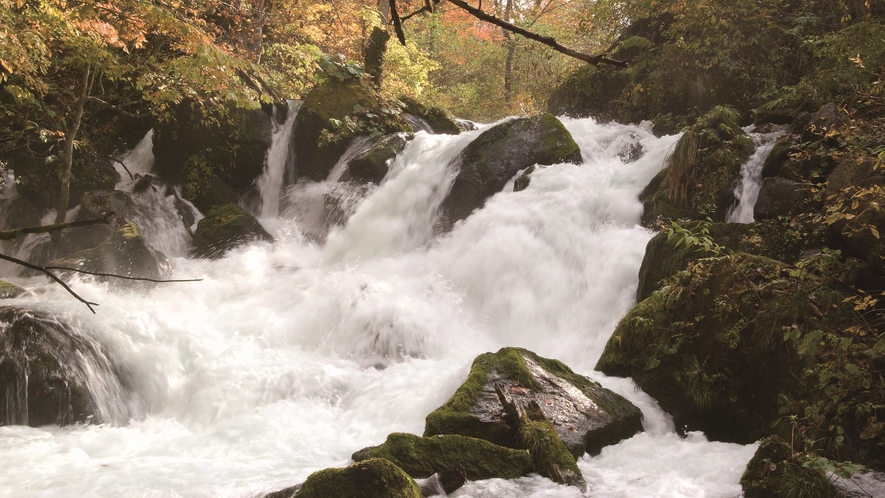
[
  {"x": 70, "y": 135},
  {"x": 510, "y": 46}
]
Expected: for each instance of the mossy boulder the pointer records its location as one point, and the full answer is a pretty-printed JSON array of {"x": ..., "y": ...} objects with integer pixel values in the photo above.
[
  {"x": 8, "y": 290},
  {"x": 424, "y": 456},
  {"x": 782, "y": 239},
  {"x": 698, "y": 181},
  {"x": 125, "y": 252},
  {"x": 781, "y": 197},
  {"x": 231, "y": 142},
  {"x": 37, "y": 177},
  {"x": 586, "y": 416},
  {"x": 225, "y": 227},
  {"x": 710, "y": 346},
  {"x": 852, "y": 172},
  {"x": 372, "y": 165},
  {"x": 856, "y": 221},
  {"x": 489, "y": 162},
  {"x": 774, "y": 472},
  {"x": 203, "y": 187},
  {"x": 439, "y": 119},
  {"x": 51, "y": 372},
  {"x": 319, "y": 142},
  {"x": 373, "y": 478}
]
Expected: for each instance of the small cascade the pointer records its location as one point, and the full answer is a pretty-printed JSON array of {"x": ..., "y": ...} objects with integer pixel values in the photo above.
[
  {"x": 137, "y": 162},
  {"x": 417, "y": 123},
  {"x": 747, "y": 190},
  {"x": 270, "y": 184},
  {"x": 165, "y": 218}
]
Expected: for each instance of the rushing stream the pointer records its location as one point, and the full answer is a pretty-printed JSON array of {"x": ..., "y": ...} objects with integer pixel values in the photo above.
[{"x": 288, "y": 357}]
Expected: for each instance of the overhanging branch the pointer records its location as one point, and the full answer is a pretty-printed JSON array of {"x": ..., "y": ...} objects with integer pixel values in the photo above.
[{"x": 546, "y": 40}]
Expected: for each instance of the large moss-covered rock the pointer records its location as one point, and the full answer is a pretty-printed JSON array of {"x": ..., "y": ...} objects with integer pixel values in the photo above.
[
  {"x": 125, "y": 252},
  {"x": 711, "y": 345},
  {"x": 319, "y": 143},
  {"x": 782, "y": 239},
  {"x": 586, "y": 416},
  {"x": 490, "y": 161},
  {"x": 774, "y": 472},
  {"x": 224, "y": 228},
  {"x": 699, "y": 177},
  {"x": 373, "y": 478},
  {"x": 424, "y": 456},
  {"x": 53, "y": 373},
  {"x": 232, "y": 144}
]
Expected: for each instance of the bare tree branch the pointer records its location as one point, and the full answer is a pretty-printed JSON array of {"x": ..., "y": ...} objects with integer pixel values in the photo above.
[
  {"x": 546, "y": 40},
  {"x": 17, "y": 232},
  {"x": 123, "y": 277},
  {"x": 397, "y": 23},
  {"x": 53, "y": 277}
]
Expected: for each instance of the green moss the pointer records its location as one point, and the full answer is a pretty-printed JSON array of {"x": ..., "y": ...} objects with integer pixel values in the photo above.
[
  {"x": 710, "y": 347},
  {"x": 373, "y": 478},
  {"x": 439, "y": 119},
  {"x": 549, "y": 454},
  {"x": 9, "y": 290},
  {"x": 557, "y": 141},
  {"x": 425, "y": 456}
]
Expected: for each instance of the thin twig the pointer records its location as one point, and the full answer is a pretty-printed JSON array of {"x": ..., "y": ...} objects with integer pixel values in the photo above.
[
  {"x": 53, "y": 277},
  {"x": 99, "y": 274}
]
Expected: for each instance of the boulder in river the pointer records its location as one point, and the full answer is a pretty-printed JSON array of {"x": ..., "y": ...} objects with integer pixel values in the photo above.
[
  {"x": 225, "y": 227},
  {"x": 499, "y": 153},
  {"x": 51, "y": 373},
  {"x": 373, "y": 478},
  {"x": 424, "y": 456},
  {"x": 126, "y": 252},
  {"x": 586, "y": 416}
]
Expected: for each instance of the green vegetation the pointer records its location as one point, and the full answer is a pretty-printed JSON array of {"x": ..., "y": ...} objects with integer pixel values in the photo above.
[{"x": 373, "y": 478}]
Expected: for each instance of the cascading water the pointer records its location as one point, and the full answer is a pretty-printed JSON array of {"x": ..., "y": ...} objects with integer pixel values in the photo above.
[
  {"x": 747, "y": 190},
  {"x": 285, "y": 359},
  {"x": 270, "y": 184}
]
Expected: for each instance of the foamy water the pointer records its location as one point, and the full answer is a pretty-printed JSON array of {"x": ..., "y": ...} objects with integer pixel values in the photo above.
[{"x": 288, "y": 357}]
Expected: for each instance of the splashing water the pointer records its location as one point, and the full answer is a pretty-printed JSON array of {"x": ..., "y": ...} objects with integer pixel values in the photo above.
[{"x": 287, "y": 358}]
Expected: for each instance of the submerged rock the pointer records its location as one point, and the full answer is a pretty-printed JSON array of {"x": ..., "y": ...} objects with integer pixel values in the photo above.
[
  {"x": 50, "y": 373},
  {"x": 586, "y": 416},
  {"x": 489, "y": 162},
  {"x": 224, "y": 228},
  {"x": 373, "y": 478},
  {"x": 9, "y": 290},
  {"x": 424, "y": 456},
  {"x": 125, "y": 252}
]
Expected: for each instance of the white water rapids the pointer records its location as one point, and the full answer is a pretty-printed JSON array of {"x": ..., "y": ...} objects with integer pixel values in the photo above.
[{"x": 288, "y": 357}]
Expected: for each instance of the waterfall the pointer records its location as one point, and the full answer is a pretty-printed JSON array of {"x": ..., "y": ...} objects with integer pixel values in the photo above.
[
  {"x": 747, "y": 190},
  {"x": 270, "y": 183},
  {"x": 284, "y": 359},
  {"x": 137, "y": 162}
]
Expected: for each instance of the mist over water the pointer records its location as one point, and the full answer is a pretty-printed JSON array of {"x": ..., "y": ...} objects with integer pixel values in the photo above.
[{"x": 288, "y": 357}]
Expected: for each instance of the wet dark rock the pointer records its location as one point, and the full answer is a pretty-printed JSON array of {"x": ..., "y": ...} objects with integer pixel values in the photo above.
[
  {"x": 489, "y": 162},
  {"x": 224, "y": 228},
  {"x": 522, "y": 181},
  {"x": 585, "y": 415},
  {"x": 424, "y": 456},
  {"x": 19, "y": 212},
  {"x": 373, "y": 478},
  {"x": 37, "y": 178},
  {"x": 51, "y": 373},
  {"x": 95, "y": 205},
  {"x": 371, "y": 166},
  {"x": 125, "y": 252},
  {"x": 444, "y": 482},
  {"x": 821, "y": 125},
  {"x": 854, "y": 172},
  {"x": 781, "y": 197},
  {"x": 778, "y": 156}
]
